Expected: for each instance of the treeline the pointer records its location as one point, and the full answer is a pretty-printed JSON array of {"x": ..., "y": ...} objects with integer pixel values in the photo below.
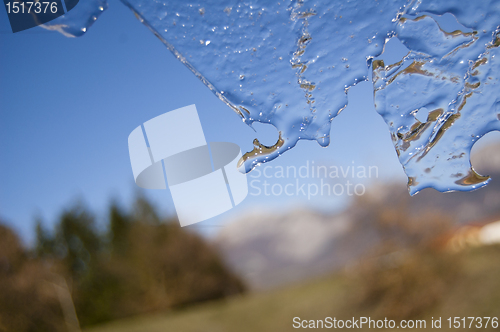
[{"x": 80, "y": 275}]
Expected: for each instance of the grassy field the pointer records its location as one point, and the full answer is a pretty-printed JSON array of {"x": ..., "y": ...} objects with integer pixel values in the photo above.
[{"x": 474, "y": 292}]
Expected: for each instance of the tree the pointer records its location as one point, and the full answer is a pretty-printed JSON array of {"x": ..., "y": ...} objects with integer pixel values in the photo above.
[
  {"x": 141, "y": 263},
  {"x": 28, "y": 299}
]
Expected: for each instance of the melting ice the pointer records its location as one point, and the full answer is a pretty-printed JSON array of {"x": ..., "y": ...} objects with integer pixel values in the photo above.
[
  {"x": 290, "y": 64},
  {"x": 453, "y": 75},
  {"x": 76, "y": 22}
]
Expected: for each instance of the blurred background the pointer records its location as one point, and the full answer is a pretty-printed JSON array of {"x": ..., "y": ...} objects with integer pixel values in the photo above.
[{"x": 82, "y": 249}]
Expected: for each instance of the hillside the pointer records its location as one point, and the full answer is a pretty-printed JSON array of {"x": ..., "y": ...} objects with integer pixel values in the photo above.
[{"x": 473, "y": 291}]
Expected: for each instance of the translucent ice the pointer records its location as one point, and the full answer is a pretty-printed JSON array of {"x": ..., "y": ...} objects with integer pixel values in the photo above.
[
  {"x": 287, "y": 63},
  {"x": 76, "y": 22},
  {"x": 290, "y": 64},
  {"x": 453, "y": 76}
]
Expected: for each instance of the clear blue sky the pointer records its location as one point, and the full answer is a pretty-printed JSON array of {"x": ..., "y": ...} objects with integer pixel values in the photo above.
[{"x": 67, "y": 106}]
